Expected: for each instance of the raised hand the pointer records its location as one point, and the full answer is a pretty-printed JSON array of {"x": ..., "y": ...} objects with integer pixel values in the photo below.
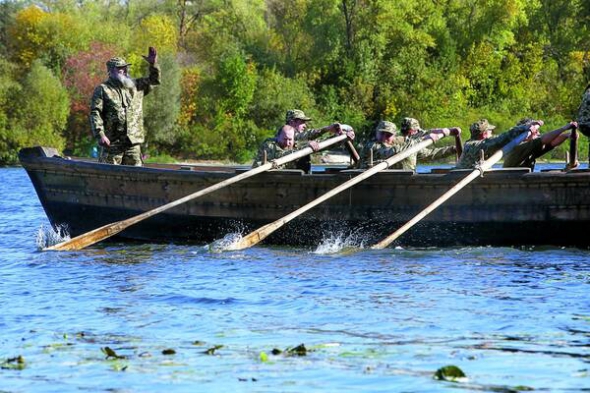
[{"x": 152, "y": 56}]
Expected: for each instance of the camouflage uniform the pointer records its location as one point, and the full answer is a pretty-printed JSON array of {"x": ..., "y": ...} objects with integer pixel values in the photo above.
[
  {"x": 381, "y": 151},
  {"x": 117, "y": 113},
  {"x": 426, "y": 154},
  {"x": 584, "y": 113},
  {"x": 471, "y": 151},
  {"x": 273, "y": 151},
  {"x": 525, "y": 154}
]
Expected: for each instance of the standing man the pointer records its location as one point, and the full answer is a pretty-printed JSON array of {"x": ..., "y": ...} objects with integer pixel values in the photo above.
[
  {"x": 410, "y": 129},
  {"x": 116, "y": 111},
  {"x": 482, "y": 140},
  {"x": 386, "y": 144}
]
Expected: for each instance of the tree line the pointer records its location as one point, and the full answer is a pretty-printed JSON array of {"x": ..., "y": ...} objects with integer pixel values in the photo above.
[{"x": 231, "y": 68}]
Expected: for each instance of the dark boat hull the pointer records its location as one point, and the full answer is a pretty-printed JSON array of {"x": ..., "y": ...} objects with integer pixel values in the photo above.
[{"x": 505, "y": 207}]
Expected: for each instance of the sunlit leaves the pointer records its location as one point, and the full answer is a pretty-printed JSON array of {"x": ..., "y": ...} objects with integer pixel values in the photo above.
[
  {"x": 231, "y": 68},
  {"x": 40, "y": 109},
  {"x": 158, "y": 31},
  {"x": 50, "y": 36}
]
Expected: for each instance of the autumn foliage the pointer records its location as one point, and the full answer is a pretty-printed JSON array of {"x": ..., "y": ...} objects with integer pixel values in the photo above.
[{"x": 232, "y": 68}]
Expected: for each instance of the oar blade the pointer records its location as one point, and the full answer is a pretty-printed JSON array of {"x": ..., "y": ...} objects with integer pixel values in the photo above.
[
  {"x": 255, "y": 237},
  {"x": 88, "y": 239}
]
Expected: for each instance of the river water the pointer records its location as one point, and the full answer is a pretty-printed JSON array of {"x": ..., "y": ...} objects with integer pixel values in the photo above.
[{"x": 129, "y": 317}]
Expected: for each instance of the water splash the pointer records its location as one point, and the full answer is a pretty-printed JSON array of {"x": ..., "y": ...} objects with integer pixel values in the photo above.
[
  {"x": 48, "y": 236},
  {"x": 340, "y": 243},
  {"x": 227, "y": 243}
]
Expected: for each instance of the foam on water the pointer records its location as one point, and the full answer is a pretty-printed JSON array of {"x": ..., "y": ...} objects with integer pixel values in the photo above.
[
  {"x": 226, "y": 243},
  {"x": 47, "y": 236},
  {"x": 338, "y": 243}
]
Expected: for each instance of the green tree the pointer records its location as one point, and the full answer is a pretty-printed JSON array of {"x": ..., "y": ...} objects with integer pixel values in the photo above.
[
  {"x": 9, "y": 141},
  {"x": 36, "y": 113},
  {"x": 162, "y": 106}
]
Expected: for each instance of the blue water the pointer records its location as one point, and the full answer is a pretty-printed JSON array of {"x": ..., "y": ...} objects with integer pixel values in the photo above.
[{"x": 371, "y": 321}]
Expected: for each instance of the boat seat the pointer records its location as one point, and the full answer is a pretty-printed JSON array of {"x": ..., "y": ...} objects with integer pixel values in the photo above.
[
  {"x": 440, "y": 171},
  {"x": 490, "y": 172},
  {"x": 385, "y": 172},
  {"x": 574, "y": 171}
]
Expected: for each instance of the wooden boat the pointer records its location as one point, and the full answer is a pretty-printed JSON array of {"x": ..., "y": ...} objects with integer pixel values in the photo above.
[{"x": 508, "y": 207}]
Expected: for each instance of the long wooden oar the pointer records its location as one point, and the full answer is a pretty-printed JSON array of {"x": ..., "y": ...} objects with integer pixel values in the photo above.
[
  {"x": 573, "y": 157},
  {"x": 104, "y": 232},
  {"x": 261, "y": 233},
  {"x": 484, "y": 166},
  {"x": 458, "y": 146}
]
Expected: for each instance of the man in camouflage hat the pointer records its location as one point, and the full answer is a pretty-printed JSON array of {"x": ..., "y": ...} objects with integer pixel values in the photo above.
[
  {"x": 279, "y": 146},
  {"x": 482, "y": 141},
  {"x": 410, "y": 129},
  {"x": 526, "y": 153},
  {"x": 116, "y": 111},
  {"x": 387, "y": 144},
  {"x": 298, "y": 120}
]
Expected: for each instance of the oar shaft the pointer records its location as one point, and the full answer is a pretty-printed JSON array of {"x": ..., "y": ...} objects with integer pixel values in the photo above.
[
  {"x": 389, "y": 239},
  {"x": 458, "y": 146},
  {"x": 573, "y": 148},
  {"x": 260, "y": 234},
  {"x": 486, "y": 165},
  {"x": 308, "y": 150}
]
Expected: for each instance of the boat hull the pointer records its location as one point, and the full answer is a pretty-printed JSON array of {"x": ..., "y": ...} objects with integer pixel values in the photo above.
[{"x": 503, "y": 208}]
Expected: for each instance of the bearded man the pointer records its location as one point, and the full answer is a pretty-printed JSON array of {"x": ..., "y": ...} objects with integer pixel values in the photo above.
[{"x": 116, "y": 111}]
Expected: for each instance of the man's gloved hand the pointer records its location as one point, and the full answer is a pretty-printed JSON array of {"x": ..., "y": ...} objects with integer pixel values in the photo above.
[
  {"x": 348, "y": 130},
  {"x": 315, "y": 146},
  {"x": 455, "y": 131},
  {"x": 152, "y": 56}
]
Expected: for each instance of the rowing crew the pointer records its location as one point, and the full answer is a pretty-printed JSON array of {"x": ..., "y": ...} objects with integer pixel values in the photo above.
[{"x": 387, "y": 143}]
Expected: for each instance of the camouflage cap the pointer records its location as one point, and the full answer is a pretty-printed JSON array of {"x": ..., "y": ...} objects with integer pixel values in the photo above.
[
  {"x": 386, "y": 126},
  {"x": 117, "y": 62},
  {"x": 293, "y": 114},
  {"x": 409, "y": 123},
  {"x": 479, "y": 127}
]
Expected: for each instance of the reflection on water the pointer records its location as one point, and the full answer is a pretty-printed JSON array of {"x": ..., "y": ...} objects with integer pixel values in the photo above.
[{"x": 186, "y": 318}]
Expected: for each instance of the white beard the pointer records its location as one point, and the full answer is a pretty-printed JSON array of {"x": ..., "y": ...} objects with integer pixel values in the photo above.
[{"x": 126, "y": 81}]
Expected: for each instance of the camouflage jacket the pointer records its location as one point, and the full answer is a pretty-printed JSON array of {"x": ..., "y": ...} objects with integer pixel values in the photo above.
[
  {"x": 426, "y": 154},
  {"x": 382, "y": 151},
  {"x": 471, "y": 151},
  {"x": 307, "y": 135},
  {"x": 584, "y": 113},
  {"x": 273, "y": 151},
  {"x": 525, "y": 154},
  {"x": 118, "y": 112}
]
